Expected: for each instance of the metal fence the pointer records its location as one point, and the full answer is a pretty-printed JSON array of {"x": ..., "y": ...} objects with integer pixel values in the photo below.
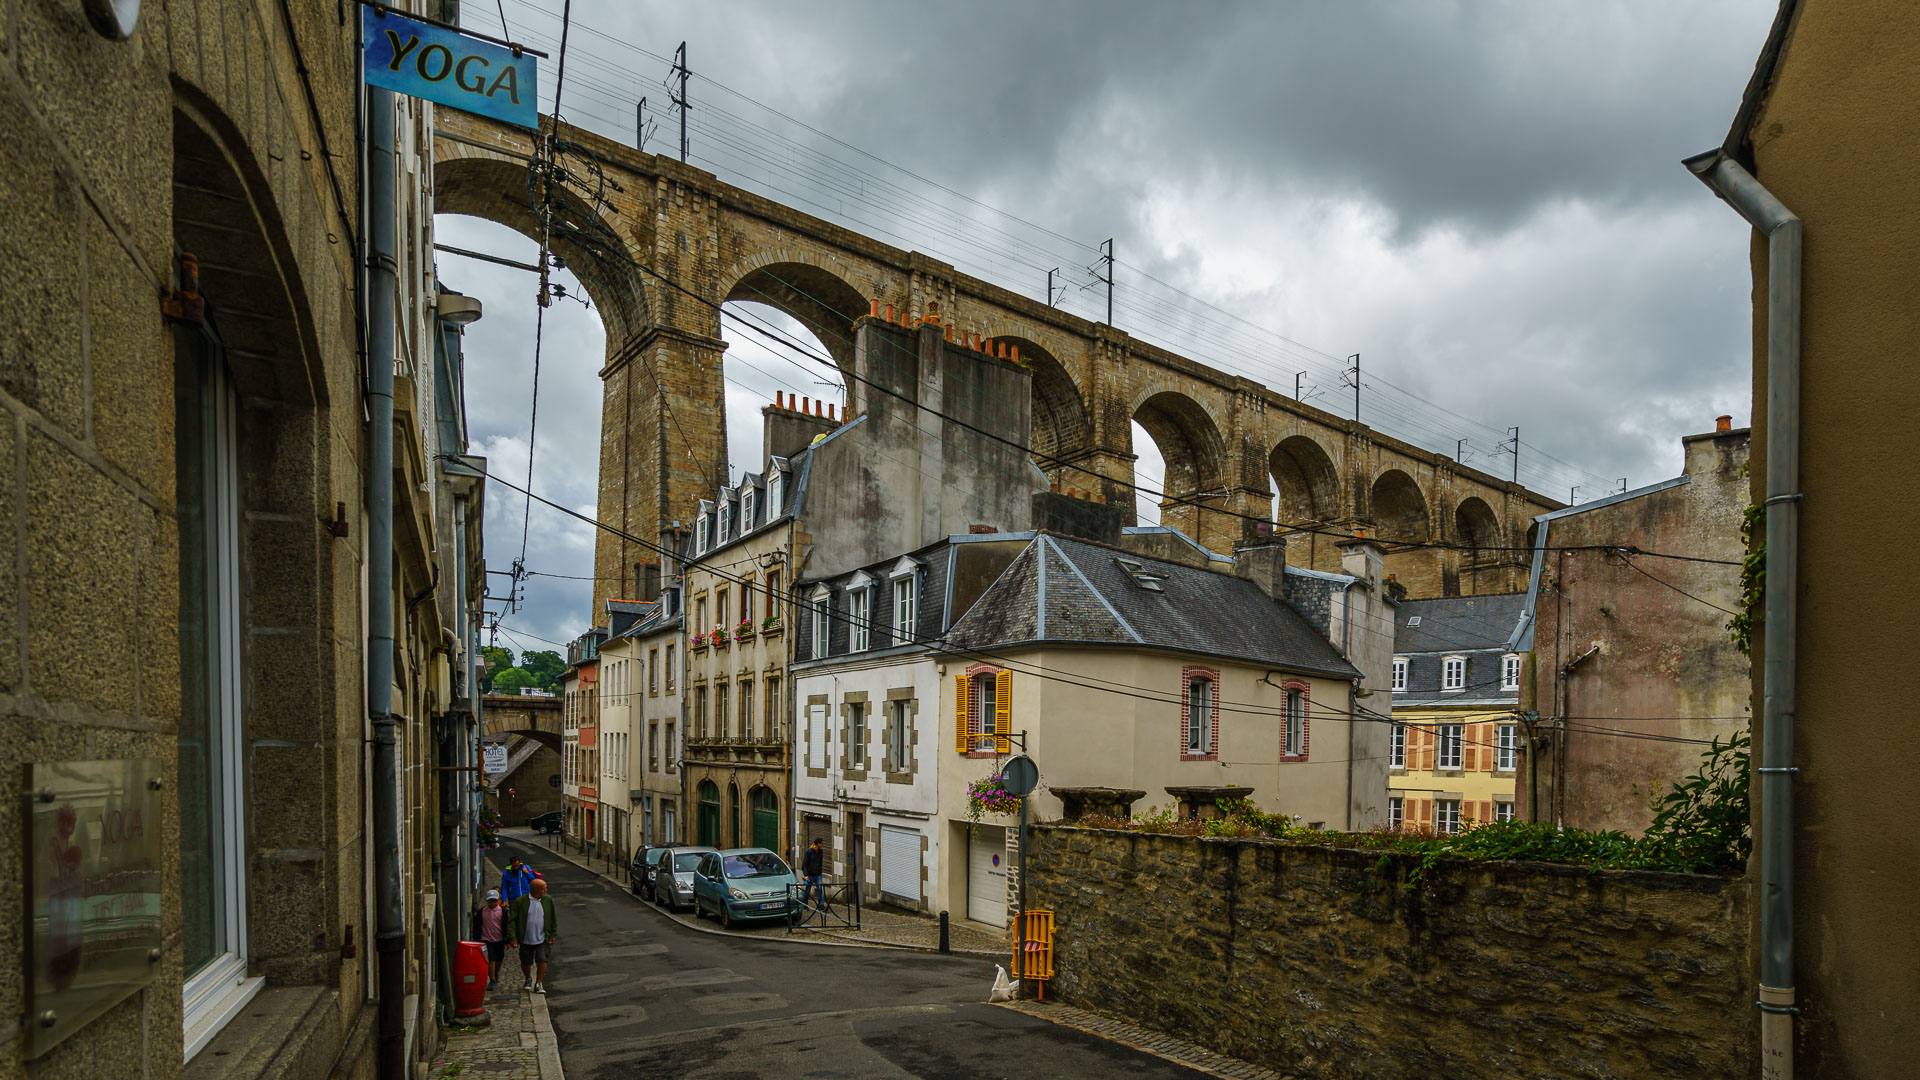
[{"x": 841, "y": 907}]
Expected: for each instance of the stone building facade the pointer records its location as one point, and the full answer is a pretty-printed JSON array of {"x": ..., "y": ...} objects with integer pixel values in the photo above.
[{"x": 189, "y": 518}]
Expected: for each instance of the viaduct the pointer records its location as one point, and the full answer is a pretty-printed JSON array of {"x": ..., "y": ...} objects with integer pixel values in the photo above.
[{"x": 659, "y": 245}]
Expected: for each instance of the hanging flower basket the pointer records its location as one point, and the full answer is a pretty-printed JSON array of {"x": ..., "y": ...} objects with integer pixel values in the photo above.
[
  {"x": 487, "y": 829},
  {"x": 989, "y": 795}
]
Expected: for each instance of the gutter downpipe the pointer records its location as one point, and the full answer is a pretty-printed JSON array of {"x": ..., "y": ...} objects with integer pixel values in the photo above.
[
  {"x": 383, "y": 278},
  {"x": 1353, "y": 692},
  {"x": 1782, "y": 229}
]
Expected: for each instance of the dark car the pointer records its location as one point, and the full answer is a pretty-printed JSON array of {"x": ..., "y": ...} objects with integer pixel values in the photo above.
[
  {"x": 550, "y": 822},
  {"x": 640, "y": 870},
  {"x": 742, "y": 885},
  {"x": 673, "y": 876}
]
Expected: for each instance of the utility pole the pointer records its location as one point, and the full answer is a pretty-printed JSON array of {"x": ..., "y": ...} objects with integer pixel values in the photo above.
[
  {"x": 1459, "y": 451},
  {"x": 1516, "y": 453},
  {"x": 679, "y": 97},
  {"x": 1356, "y": 386},
  {"x": 640, "y": 126},
  {"x": 1050, "y": 275},
  {"x": 1297, "y": 376},
  {"x": 1106, "y": 263}
]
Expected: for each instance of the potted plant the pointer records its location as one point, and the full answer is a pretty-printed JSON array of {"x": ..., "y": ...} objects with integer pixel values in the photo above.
[
  {"x": 487, "y": 831},
  {"x": 718, "y": 639},
  {"x": 989, "y": 795},
  {"x": 744, "y": 631},
  {"x": 770, "y": 624}
]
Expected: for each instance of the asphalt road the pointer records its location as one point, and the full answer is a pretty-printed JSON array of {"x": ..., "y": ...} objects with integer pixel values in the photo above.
[{"x": 633, "y": 994}]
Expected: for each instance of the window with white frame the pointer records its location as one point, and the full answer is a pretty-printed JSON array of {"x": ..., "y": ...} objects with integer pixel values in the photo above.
[
  {"x": 856, "y": 734},
  {"x": 1507, "y": 747},
  {"x": 1510, "y": 671},
  {"x": 700, "y": 534},
  {"x": 1399, "y": 674},
  {"x": 746, "y": 511},
  {"x": 212, "y": 766},
  {"x": 904, "y": 609},
  {"x": 1503, "y": 811},
  {"x": 1396, "y": 812},
  {"x": 1397, "y": 748},
  {"x": 726, "y": 519},
  {"x": 899, "y": 728},
  {"x": 1295, "y": 744},
  {"x": 1453, "y": 673},
  {"x": 746, "y": 709},
  {"x": 1200, "y": 701},
  {"x": 859, "y": 621},
  {"x": 1447, "y": 738},
  {"x": 821, "y": 601},
  {"x": 776, "y": 491},
  {"x": 1446, "y": 816}
]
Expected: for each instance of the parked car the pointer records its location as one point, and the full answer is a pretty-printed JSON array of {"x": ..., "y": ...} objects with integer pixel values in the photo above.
[
  {"x": 640, "y": 870},
  {"x": 550, "y": 822},
  {"x": 742, "y": 885},
  {"x": 673, "y": 888}
]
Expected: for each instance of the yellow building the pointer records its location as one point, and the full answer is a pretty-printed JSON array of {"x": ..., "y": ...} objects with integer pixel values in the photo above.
[{"x": 1456, "y": 741}]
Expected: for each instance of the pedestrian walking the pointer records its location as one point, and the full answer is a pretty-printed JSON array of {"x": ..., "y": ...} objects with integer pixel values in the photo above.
[
  {"x": 811, "y": 864},
  {"x": 515, "y": 880},
  {"x": 490, "y": 929},
  {"x": 531, "y": 925}
]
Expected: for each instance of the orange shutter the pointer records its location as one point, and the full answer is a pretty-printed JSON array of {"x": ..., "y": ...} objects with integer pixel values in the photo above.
[
  {"x": 1003, "y": 712},
  {"x": 1427, "y": 735},
  {"x": 1470, "y": 751},
  {"x": 960, "y": 713},
  {"x": 1486, "y": 810}
]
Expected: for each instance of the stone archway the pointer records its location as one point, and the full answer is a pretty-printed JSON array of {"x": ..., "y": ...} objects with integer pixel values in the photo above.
[
  {"x": 820, "y": 300},
  {"x": 1399, "y": 509},
  {"x": 1308, "y": 483},
  {"x": 1195, "y": 454},
  {"x": 1061, "y": 431}
]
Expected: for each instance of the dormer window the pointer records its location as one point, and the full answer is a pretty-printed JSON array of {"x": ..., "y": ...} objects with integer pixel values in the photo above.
[
  {"x": 1510, "y": 671},
  {"x": 821, "y": 602},
  {"x": 860, "y": 618},
  {"x": 1143, "y": 577},
  {"x": 776, "y": 488},
  {"x": 1399, "y": 674},
  {"x": 1453, "y": 673},
  {"x": 746, "y": 511},
  {"x": 726, "y": 519},
  {"x": 700, "y": 544}
]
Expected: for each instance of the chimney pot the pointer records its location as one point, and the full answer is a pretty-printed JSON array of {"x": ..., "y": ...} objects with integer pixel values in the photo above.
[
  {"x": 1723, "y": 423},
  {"x": 778, "y": 397},
  {"x": 829, "y": 410},
  {"x": 873, "y": 307},
  {"x": 803, "y": 404},
  {"x": 889, "y": 312}
]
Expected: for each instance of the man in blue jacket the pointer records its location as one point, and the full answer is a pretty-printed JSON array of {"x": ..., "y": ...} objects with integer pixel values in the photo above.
[{"x": 515, "y": 880}]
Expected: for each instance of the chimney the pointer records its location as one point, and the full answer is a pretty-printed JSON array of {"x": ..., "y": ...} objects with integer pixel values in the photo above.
[
  {"x": 1722, "y": 424},
  {"x": 650, "y": 580},
  {"x": 1082, "y": 514},
  {"x": 1265, "y": 566},
  {"x": 1363, "y": 558}
]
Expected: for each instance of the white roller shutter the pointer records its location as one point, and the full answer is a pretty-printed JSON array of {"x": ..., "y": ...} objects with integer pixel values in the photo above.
[
  {"x": 900, "y": 863},
  {"x": 817, "y": 737},
  {"x": 987, "y": 874}
]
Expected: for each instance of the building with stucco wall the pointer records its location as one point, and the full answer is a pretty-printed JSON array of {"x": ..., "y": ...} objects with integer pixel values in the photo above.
[{"x": 1456, "y": 740}]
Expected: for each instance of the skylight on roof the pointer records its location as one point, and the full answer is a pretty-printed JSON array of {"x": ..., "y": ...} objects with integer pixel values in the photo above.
[
  {"x": 1141, "y": 576},
  {"x": 1413, "y": 620}
]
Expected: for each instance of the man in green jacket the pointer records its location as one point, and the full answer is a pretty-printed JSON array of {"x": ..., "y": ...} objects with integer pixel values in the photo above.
[{"x": 531, "y": 924}]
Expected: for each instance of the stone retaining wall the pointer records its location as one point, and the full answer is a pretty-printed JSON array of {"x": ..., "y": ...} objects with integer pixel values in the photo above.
[{"x": 1325, "y": 962}]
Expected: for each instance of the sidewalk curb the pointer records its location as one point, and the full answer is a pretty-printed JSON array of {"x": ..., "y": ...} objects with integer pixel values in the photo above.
[
  {"x": 545, "y": 1041},
  {"x": 700, "y": 924}
]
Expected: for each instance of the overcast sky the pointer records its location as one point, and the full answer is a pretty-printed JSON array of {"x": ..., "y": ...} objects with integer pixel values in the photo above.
[{"x": 1482, "y": 199}]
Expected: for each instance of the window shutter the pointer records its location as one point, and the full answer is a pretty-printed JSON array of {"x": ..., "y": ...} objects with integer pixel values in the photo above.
[
  {"x": 1427, "y": 737},
  {"x": 1002, "y": 712},
  {"x": 960, "y": 713},
  {"x": 1486, "y": 810},
  {"x": 1489, "y": 751},
  {"x": 1471, "y": 751}
]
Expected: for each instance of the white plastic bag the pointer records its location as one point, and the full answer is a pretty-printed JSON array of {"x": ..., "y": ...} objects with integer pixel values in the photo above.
[{"x": 1002, "y": 986}]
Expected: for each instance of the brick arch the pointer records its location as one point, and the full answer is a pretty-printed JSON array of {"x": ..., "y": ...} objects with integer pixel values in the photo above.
[
  {"x": 1399, "y": 509},
  {"x": 818, "y": 296},
  {"x": 1061, "y": 428},
  {"x": 1188, "y": 438},
  {"x": 1475, "y": 524},
  {"x": 1308, "y": 481},
  {"x": 495, "y": 189}
]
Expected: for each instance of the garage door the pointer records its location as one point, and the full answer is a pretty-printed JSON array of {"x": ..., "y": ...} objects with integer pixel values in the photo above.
[
  {"x": 987, "y": 874},
  {"x": 900, "y": 863}
]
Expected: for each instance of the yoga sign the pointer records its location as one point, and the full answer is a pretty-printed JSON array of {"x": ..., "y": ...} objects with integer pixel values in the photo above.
[{"x": 446, "y": 67}]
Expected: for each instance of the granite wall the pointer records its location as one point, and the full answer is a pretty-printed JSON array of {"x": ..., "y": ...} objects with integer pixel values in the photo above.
[{"x": 1323, "y": 962}]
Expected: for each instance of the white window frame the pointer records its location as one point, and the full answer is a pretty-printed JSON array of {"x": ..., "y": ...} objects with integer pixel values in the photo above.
[
  {"x": 1453, "y": 674},
  {"x": 776, "y": 487},
  {"x": 1446, "y": 816},
  {"x": 906, "y": 608},
  {"x": 1396, "y": 811},
  {"x": 1503, "y": 811},
  {"x": 1506, "y": 755},
  {"x": 900, "y": 724},
  {"x": 860, "y": 618},
  {"x": 700, "y": 534},
  {"x": 1200, "y": 714},
  {"x": 1449, "y": 743},
  {"x": 1399, "y": 674},
  {"x": 746, "y": 511},
  {"x": 822, "y": 642},
  {"x": 1397, "y": 747},
  {"x": 1510, "y": 671},
  {"x": 1294, "y": 734},
  {"x": 725, "y": 518},
  {"x": 216, "y": 993},
  {"x": 857, "y": 735}
]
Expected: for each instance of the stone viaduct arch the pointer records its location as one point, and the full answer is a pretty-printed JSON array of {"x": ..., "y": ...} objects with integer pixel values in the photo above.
[
  {"x": 537, "y": 718},
  {"x": 668, "y": 243}
]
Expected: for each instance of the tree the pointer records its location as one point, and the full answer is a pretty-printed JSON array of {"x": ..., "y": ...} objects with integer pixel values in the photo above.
[
  {"x": 513, "y": 680},
  {"x": 494, "y": 660},
  {"x": 545, "y": 667}
]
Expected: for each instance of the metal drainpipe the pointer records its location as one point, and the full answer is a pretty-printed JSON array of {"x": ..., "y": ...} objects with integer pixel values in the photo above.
[
  {"x": 1780, "y": 610},
  {"x": 1353, "y": 694},
  {"x": 383, "y": 281}
]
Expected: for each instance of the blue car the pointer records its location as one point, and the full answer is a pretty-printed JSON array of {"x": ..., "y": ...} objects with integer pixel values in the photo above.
[{"x": 742, "y": 885}]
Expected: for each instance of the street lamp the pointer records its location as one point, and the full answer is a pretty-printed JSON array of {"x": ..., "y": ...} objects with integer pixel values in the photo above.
[{"x": 457, "y": 308}]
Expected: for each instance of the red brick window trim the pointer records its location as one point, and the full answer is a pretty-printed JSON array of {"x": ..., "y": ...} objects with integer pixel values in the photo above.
[
  {"x": 981, "y": 685},
  {"x": 1188, "y": 677},
  {"x": 1296, "y": 691}
]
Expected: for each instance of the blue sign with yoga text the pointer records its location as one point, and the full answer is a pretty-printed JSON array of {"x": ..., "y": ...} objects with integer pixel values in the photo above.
[{"x": 446, "y": 67}]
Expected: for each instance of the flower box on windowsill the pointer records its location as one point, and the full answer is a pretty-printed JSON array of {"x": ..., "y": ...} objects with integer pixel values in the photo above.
[
  {"x": 700, "y": 643},
  {"x": 770, "y": 626},
  {"x": 743, "y": 633}
]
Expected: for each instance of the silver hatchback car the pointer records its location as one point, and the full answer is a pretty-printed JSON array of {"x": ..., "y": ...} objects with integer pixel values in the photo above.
[{"x": 675, "y": 890}]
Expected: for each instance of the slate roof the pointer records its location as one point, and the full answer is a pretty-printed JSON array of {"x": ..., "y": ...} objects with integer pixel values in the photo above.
[
  {"x": 1457, "y": 623},
  {"x": 1066, "y": 591}
]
